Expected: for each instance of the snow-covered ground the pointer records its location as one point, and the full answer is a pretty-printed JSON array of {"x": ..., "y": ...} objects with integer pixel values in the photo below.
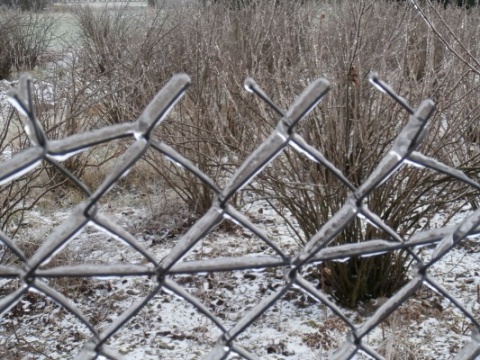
[{"x": 427, "y": 327}]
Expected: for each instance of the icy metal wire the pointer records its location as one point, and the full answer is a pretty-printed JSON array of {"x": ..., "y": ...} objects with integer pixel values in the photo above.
[{"x": 404, "y": 151}]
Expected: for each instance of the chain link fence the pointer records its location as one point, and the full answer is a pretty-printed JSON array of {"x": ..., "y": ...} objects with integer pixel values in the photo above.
[{"x": 320, "y": 247}]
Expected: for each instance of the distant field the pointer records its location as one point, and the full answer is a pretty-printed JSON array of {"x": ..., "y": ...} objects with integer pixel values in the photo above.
[
  {"x": 67, "y": 31},
  {"x": 101, "y": 4}
]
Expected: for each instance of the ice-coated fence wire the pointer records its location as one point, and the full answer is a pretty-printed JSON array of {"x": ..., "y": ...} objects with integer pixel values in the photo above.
[{"x": 403, "y": 152}]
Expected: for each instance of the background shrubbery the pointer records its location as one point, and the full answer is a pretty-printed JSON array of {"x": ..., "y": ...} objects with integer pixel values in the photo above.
[
  {"x": 24, "y": 38},
  {"x": 25, "y": 5},
  {"x": 122, "y": 58}
]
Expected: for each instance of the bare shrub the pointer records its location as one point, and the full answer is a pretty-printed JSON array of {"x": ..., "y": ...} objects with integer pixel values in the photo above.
[
  {"x": 19, "y": 196},
  {"x": 25, "y": 5},
  {"x": 283, "y": 47},
  {"x": 356, "y": 126},
  {"x": 25, "y": 36},
  {"x": 209, "y": 127},
  {"x": 122, "y": 52},
  {"x": 63, "y": 107},
  {"x": 66, "y": 105},
  {"x": 125, "y": 57}
]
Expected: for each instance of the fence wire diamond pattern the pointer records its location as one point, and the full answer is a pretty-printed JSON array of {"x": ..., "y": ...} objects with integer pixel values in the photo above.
[{"x": 33, "y": 276}]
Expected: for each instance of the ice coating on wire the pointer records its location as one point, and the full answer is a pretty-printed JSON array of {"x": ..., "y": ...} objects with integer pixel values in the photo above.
[{"x": 318, "y": 248}]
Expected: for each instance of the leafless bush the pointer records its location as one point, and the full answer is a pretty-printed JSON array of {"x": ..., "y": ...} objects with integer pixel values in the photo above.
[
  {"x": 122, "y": 51},
  {"x": 355, "y": 128},
  {"x": 283, "y": 47},
  {"x": 133, "y": 60},
  {"x": 125, "y": 57},
  {"x": 26, "y": 5},
  {"x": 25, "y": 36},
  {"x": 20, "y": 195},
  {"x": 65, "y": 105}
]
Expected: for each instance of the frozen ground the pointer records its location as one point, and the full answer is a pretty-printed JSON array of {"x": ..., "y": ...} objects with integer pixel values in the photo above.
[{"x": 427, "y": 327}]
